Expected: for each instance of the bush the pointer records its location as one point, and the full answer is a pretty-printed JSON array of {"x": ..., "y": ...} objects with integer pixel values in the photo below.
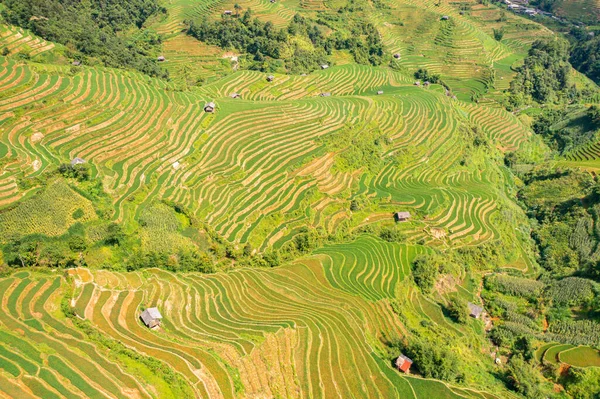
[
  {"x": 425, "y": 76},
  {"x": 498, "y": 34},
  {"x": 433, "y": 359},
  {"x": 391, "y": 234},
  {"x": 523, "y": 378},
  {"x": 457, "y": 309},
  {"x": 425, "y": 270},
  {"x": 583, "y": 383}
]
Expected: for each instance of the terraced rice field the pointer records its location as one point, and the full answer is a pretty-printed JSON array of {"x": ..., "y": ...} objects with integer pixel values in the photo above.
[
  {"x": 258, "y": 170},
  {"x": 286, "y": 332},
  {"x": 239, "y": 178},
  {"x": 579, "y": 356},
  {"x": 17, "y": 40},
  {"x": 461, "y": 49}
]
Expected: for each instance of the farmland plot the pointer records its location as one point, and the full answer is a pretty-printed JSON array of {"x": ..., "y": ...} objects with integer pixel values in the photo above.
[{"x": 234, "y": 169}]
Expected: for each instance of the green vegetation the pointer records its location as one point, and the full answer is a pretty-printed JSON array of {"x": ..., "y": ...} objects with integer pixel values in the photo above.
[
  {"x": 585, "y": 57},
  {"x": 545, "y": 76},
  {"x": 301, "y": 47},
  {"x": 95, "y": 29},
  {"x": 264, "y": 231},
  {"x": 433, "y": 359}
]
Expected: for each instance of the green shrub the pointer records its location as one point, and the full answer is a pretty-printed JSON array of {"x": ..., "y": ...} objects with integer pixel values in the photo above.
[
  {"x": 433, "y": 359},
  {"x": 425, "y": 270},
  {"x": 457, "y": 309},
  {"x": 523, "y": 378}
]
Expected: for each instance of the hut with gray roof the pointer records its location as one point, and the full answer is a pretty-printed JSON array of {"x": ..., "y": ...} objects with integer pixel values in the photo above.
[{"x": 151, "y": 317}]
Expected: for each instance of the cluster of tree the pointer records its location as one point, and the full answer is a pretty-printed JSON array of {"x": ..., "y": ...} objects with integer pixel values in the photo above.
[
  {"x": 301, "y": 46},
  {"x": 80, "y": 172},
  {"x": 425, "y": 76},
  {"x": 565, "y": 129},
  {"x": 457, "y": 309},
  {"x": 426, "y": 269},
  {"x": 585, "y": 57},
  {"x": 544, "y": 77},
  {"x": 433, "y": 358},
  {"x": 564, "y": 207},
  {"x": 94, "y": 28}
]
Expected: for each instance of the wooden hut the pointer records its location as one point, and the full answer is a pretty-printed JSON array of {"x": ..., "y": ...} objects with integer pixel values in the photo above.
[
  {"x": 77, "y": 161},
  {"x": 401, "y": 216},
  {"x": 210, "y": 107},
  {"x": 475, "y": 310},
  {"x": 403, "y": 363},
  {"x": 151, "y": 317}
]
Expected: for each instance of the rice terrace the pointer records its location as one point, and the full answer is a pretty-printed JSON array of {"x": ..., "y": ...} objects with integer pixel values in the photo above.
[{"x": 299, "y": 199}]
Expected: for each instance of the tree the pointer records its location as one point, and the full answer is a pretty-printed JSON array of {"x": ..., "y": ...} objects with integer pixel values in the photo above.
[
  {"x": 523, "y": 378},
  {"x": 583, "y": 383},
  {"x": 433, "y": 359},
  {"x": 425, "y": 270},
  {"x": 391, "y": 234},
  {"x": 115, "y": 235},
  {"x": 498, "y": 34},
  {"x": 457, "y": 309},
  {"x": 237, "y": 9}
]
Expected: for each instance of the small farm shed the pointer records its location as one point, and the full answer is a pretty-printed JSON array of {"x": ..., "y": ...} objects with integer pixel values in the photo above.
[
  {"x": 445, "y": 18},
  {"x": 475, "y": 310},
  {"x": 397, "y": 56},
  {"x": 401, "y": 216},
  {"x": 161, "y": 58},
  {"x": 417, "y": 83},
  {"x": 379, "y": 92},
  {"x": 270, "y": 78},
  {"x": 77, "y": 161},
  {"x": 324, "y": 66},
  {"x": 76, "y": 63},
  {"x": 403, "y": 363},
  {"x": 151, "y": 317},
  {"x": 210, "y": 107},
  {"x": 227, "y": 12},
  {"x": 326, "y": 94},
  {"x": 235, "y": 95},
  {"x": 426, "y": 83}
]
